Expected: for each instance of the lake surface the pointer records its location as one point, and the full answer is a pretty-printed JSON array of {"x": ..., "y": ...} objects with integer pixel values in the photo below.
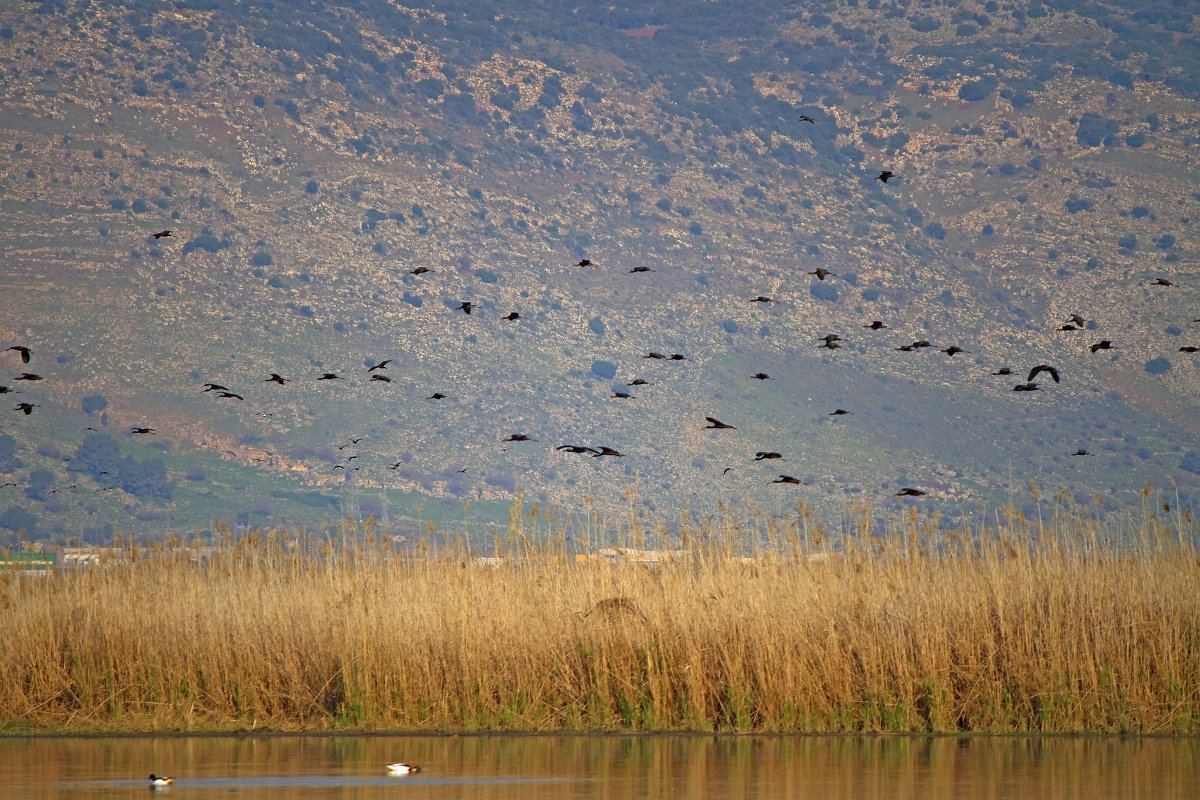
[{"x": 668, "y": 766}]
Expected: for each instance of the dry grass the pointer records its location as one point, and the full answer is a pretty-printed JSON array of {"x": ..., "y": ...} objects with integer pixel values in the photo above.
[{"x": 1021, "y": 627}]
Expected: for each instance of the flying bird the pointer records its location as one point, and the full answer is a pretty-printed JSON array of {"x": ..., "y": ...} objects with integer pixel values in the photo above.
[
  {"x": 25, "y": 407},
  {"x": 329, "y": 376},
  {"x": 762, "y": 298},
  {"x": 1033, "y": 373},
  {"x": 876, "y": 325},
  {"x": 907, "y": 492},
  {"x": 1076, "y": 320},
  {"x": 624, "y": 395},
  {"x": 885, "y": 175},
  {"x": 382, "y": 378},
  {"x": 436, "y": 396},
  {"x": 511, "y": 315},
  {"x": 519, "y": 437},
  {"x": 607, "y": 451},
  {"x": 1187, "y": 348},
  {"x": 762, "y": 376},
  {"x": 805, "y": 118},
  {"x": 162, "y": 234},
  {"x": 640, "y": 269},
  {"x": 132, "y": 431},
  {"x": 821, "y": 273},
  {"x": 839, "y": 412},
  {"x": 653, "y": 354},
  {"x": 1081, "y": 452},
  {"x": 419, "y": 271},
  {"x": 1162, "y": 282},
  {"x": 381, "y": 365},
  {"x": 639, "y": 382},
  {"x": 27, "y": 376},
  {"x": 584, "y": 262},
  {"x": 24, "y": 351},
  {"x": 763, "y": 455},
  {"x": 276, "y": 378},
  {"x": 577, "y": 448},
  {"x": 1026, "y": 387},
  {"x": 786, "y": 479},
  {"x": 677, "y": 357},
  {"x": 231, "y": 395},
  {"x": 716, "y": 424},
  {"x": 214, "y": 387},
  {"x": 952, "y": 349},
  {"x": 1103, "y": 344},
  {"x": 1003, "y": 371},
  {"x": 466, "y": 307}
]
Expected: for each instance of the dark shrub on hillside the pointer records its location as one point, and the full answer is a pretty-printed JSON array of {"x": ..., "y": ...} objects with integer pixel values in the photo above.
[{"x": 1157, "y": 366}]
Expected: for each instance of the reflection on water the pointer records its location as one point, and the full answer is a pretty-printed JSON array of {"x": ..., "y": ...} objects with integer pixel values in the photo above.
[{"x": 501, "y": 767}]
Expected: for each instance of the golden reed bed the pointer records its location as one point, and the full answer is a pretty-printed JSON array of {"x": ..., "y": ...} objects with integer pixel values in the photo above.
[{"x": 1020, "y": 627}]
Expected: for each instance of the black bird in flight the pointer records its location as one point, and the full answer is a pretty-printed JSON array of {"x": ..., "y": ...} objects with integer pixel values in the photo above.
[
  {"x": 511, "y": 316},
  {"x": 276, "y": 378},
  {"x": 1068, "y": 327},
  {"x": 921, "y": 343},
  {"x": 1162, "y": 282},
  {"x": 830, "y": 337},
  {"x": 624, "y": 395},
  {"x": 839, "y": 412},
  {"x": 639, "y": 382},
  {"x": 519, "y": 437},
  {"x": 677, "y": 357},
  {"x": 134, "y": 430},
  {"x": 1076, "y": 320},
  {"x": 1187, "y": 348},
  {"x": 467, "y": 306},
  {"x": 906, "y": 348},
  {"x": 762, "y": 298},
  {"x": 215, "y": 387},
  {"x": 876, "y": 325},
  {"x": 356, "y": 440},
  {"x": 786, "y": 479},
  {"x": 419, "y": 271},
  {"x": 763, "y": 455},
  {"x": 436, "y": 396},
  {"x": 1026, "y": 387},
  {"x": 26, "y": 407},
  {"x": 395, "y": 466},
  {"x": 1103, "y": 344},
  {"x": 607, "y": 451},
  {"x": 27, "y": 376},
  {"x": 382, "y": 378},
  {"x": 953, "y": 349},
  {"x": 805, "y": 118},
  {"x": 762, "y": 376},
  {"x": 584, "y": 262},
  {"x": 1003, "y": 371},
  {"x": 24, "y": 351},
  {"x": 821, "y": 273},
  {"x": 1033, "y": 373},
  {"x": 640, "y": 269},
  {"x": 231, "y": 395},
  {"x": 716, "y": 424},
  {"x": 1081, "y": 452},
  {"x": 576, "y": 448},
  {"x": 907, "y": 492},
  {"x": 329, "y": 376},
  {"x": 831, "y": 344},
  {"x": 885, "y": 175},
  {"x": 381, "y": 365},
  {"x": 653, "y": 354},
  {"x": 161, "y": 234},
  {"x": 6, "y": 390}
]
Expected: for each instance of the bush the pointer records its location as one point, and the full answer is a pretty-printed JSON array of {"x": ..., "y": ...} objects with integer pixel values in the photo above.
[
  {"x": 93, "y": 403},
  {"x": 1157, "y": 366},
  {"x": 261, "y": 259}
]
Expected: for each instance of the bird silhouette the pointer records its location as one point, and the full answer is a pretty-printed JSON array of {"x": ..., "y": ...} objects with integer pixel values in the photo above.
[
  {"x": 436, "y": 396},
  {"x": 6, "y": 390},
  {"x": 381, "y": 378},
  {"x": 921, "y": 343},
  {"x": 640, "y": 269},
  {"x": 831, "y": 344},
  {"x": 1162, "y": 282},
  {"x": 576, "y": 448},
  {"x": 1033, "y": 373},
  {"x": 466, "y": 307},
  {"x": 716, "y": 424},
  {"x": 952, "y": 349},
  {"x": 276, "y": 378},
  {"x": 639, "y": 382},
  {"x": 137, "y": 430},
  {"x": 607, "y": 451},
  {"x": 419, "y": 271},
  {"x": 215, "y": 387},
  {"x": 230, "y": 395},
  {"x": 381, "y": 365},
  {"x": 1187, "y": 348},
  {"x": 839, "y": 412},
  {"x": 27, "y": 408},
  {"x": 762, "y": 376},
  {"x": 511, "y": 315},
  {"x": 1068, "y": 327},
  {"x": 329, "y": 376},
  {"x": 805, "y": 118},
  {"x": 653, "y": 354},
  {"x": 830, "y": 337},
  {"x": 762, "y": 298},
  {"x": 584, "y": 262},
  {"x": 1003, "y": 371},
  {"x": 22, "y": 350},
  {"x": 821, "y": 273},
  {"x": 907, "y": 492},
  {"x": 1103, "y": 344},
  {"x": 763, "y": 455},
  {"x": 1076, "y": 320},
  {"x": 786, "y": 479},
  {"x": 624, "y": 395},
  {"x": 876, "y": 325},
  {"x": 677, "y": 357},
  {"x": 161, "y": 234},
  {"x": 28, "y": 376},
  {"x": 885, "y": 176},
  {"x": 519, "y": 437},
  {"x": 1026, "y": 387},
  {"x": 1081, "y": 452}
]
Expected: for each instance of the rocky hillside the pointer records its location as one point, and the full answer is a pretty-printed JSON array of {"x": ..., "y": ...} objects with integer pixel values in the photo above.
[{"x": 312, "y": 160}]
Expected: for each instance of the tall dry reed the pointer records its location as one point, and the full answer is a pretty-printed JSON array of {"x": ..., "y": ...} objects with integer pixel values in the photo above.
[{"x": 1015, "y": 628}]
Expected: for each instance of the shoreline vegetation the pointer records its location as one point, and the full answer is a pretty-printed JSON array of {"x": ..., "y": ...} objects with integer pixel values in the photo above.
[{"x": 1063, "y": 626}]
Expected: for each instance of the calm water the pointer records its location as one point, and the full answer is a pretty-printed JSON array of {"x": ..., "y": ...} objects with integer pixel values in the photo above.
[{"x": 498, "y": 767}]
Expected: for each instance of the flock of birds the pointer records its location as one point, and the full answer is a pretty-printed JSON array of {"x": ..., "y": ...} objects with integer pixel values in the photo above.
[
  {"x": 378, "y": 372},
  {"x": 162, "y": 781}
]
